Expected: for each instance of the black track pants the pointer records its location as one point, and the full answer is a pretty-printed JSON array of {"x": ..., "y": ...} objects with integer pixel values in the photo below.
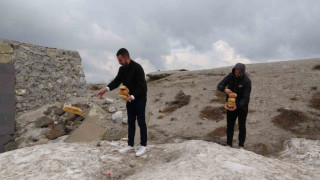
[
  {"x": 231, "y": 119},
  {"x": 136, "y": 110}
]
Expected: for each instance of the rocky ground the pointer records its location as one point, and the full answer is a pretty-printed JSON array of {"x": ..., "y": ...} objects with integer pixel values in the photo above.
[{"x": 282, "y": 93}]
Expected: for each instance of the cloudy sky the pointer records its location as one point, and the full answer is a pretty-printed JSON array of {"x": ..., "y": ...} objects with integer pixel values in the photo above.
[{"x": 167, "y": 34}]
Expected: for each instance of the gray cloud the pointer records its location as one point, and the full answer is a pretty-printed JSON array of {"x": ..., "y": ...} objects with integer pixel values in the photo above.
[{"x": 256, "y": 30}]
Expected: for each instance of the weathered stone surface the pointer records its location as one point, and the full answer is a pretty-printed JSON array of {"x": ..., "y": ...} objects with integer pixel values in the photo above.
[
  {"x": 57, "y": 131},
  {"x": 6, "y": 49},
  {"x": 43, "y": 121},
  {"x": 52, "y": 52},
  {"x": 5, "y": 59},
  {"x": 43, "y": 75}
]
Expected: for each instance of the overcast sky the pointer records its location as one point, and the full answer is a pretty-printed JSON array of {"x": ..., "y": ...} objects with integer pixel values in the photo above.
[{"x": 167, "y": 34}]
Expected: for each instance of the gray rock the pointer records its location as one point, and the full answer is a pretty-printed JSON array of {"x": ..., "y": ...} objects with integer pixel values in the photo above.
[
  {"x": 173, "y": 119},
  {"x": 58, "y": 111},
  {"x": 108, "y": 101},
  {"x": 117, "y": 116},
  {"x": 112, "y": 109},
  {"x": 125, "y": 121},
  {"x": 43, "y": 121},
  {"x": 57, "y": 131}
]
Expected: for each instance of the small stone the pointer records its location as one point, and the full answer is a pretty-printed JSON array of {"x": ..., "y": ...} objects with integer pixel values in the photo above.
[
  {"x": 173, "y": 119},
  {"x": 21, "y": 91},
  {"x": 112, "y": 109},
  {"x": 43, "y": 122},
  {"x": 117, "y": 116},
  {"x": 99, "y": 144},
  {"x": 58, "y": 111},
  {"x": 125, "y": 121},
  {"x": 57, "y": 131},
  {"x": 108, "y": 101}
]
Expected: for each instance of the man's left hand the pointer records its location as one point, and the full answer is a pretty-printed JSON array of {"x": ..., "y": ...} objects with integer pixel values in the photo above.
[{"x": 129, "y": 98}]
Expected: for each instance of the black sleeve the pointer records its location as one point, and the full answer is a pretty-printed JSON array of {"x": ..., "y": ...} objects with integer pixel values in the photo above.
[
  {"x": 222, "y": 85},
  {"x": 116, "y": 82},
  {"x": 140, "y": 82},
  {"x": 245, "y": 98}
]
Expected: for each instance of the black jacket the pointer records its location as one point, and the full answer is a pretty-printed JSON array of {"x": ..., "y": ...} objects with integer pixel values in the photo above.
[
  {"x": 133, "y": 77},
  {"x": 240, "y": 86}
]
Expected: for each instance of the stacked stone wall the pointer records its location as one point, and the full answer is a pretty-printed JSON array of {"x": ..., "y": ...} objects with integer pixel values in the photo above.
[{"x": 43, "y": 75}]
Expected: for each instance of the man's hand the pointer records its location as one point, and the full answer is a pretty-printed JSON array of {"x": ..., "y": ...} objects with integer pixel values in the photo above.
[
  {"x": 227, "y": 91},
  {"x": 101, "y": 92},
  {"x": 234, "y": 108},
  {"x": 129, "y": 98}
]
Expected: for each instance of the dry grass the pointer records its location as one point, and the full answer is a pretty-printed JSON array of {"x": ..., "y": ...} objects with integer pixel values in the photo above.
[
  {"x": 220, "y": 97},
  {"x": 212, "y": 113},
  {"x": 262, "y": 149},
  {"x": 316, "y": 67},
  {"x": 315, "y": 101},
  {"x": 181, "y": 100},
  {"x": 290, "y": 119},
  {"x": 221, "y": 131}
]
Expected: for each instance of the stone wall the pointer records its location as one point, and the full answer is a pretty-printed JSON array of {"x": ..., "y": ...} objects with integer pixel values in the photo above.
[{"x": 43, "y": 75}]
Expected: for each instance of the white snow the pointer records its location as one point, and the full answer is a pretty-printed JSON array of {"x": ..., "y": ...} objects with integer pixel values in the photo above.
[{"x": 187, "y": 160}]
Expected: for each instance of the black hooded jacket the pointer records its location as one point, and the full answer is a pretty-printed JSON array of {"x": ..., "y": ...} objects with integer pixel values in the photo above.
[
  {"x": 241, "y": 86},
  {"x": 133, "y": 77}
]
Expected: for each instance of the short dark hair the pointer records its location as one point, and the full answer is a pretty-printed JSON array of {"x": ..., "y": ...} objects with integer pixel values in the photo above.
[{"x": 123, "y": 52}]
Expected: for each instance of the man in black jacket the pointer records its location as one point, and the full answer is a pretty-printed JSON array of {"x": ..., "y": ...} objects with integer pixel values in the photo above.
[
  {"x": 238, "y": 83},
  {"x": 132, "y": 76}
]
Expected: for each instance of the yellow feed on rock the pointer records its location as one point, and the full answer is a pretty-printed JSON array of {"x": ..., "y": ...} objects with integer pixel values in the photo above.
[{"x": 72, "y": 109}]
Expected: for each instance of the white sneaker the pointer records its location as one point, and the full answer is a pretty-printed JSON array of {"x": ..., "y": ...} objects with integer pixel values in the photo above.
[
  {"x": 142, "y": 150},
  {"x": 126, "y": 149}
]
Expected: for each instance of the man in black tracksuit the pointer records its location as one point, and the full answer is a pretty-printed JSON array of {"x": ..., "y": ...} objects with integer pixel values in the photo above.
[
  {"x": 132, "y": 76},
  {"x": 238, "y": 83}
]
